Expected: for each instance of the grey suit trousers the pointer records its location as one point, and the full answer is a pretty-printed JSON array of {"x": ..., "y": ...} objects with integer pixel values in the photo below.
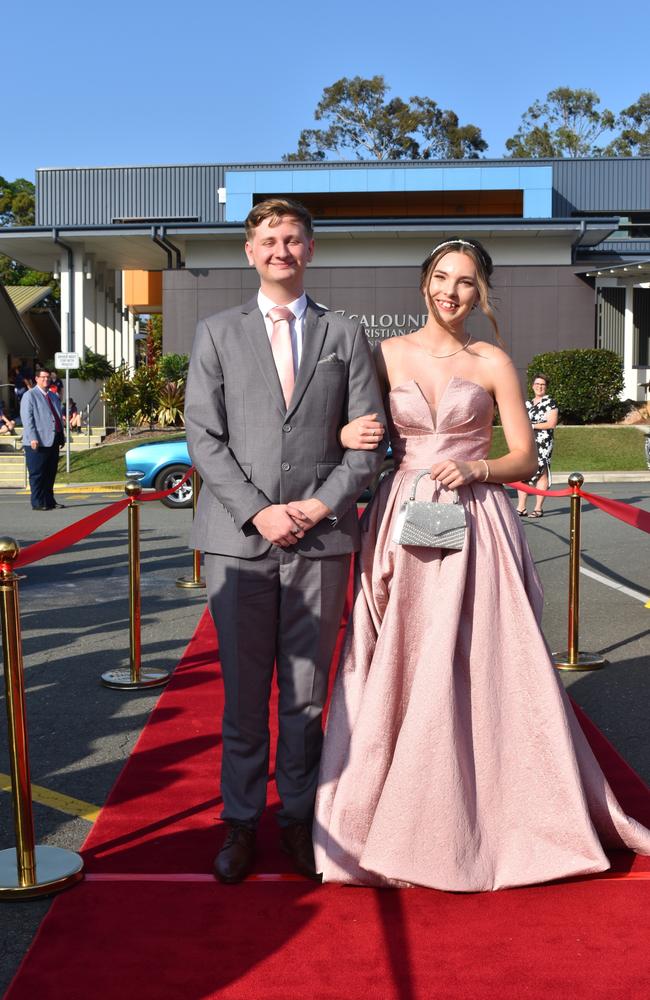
[{"x": 277, "y": 605}]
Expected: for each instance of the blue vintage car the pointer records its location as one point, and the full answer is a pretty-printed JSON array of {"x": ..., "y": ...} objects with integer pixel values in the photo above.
[
  {"x": 164, "y": 464},
  {"x": 161, "y": 466}
]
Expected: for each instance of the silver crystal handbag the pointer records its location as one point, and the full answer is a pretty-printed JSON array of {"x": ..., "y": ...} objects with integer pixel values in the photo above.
[{"x": 430, "y": 523}]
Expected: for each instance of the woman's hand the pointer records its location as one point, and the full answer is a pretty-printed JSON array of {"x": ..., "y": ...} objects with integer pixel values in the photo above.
[
  {"x": 453, "y": 474},
  {"x": 363, "y": 434}
]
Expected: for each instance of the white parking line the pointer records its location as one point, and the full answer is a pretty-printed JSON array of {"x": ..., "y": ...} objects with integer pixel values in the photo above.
[{"x": 636, "y": 594}]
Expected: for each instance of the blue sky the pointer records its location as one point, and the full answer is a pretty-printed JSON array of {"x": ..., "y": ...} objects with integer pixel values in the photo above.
[{"x": 159, "y": 82}]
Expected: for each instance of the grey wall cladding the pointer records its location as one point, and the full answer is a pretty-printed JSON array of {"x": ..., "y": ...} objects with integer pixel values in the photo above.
[
  {"x": 537, "y": 308},
  {"x": 96, "y": 196}
]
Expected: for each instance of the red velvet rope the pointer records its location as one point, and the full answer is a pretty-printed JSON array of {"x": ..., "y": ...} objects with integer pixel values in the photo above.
[
  {"x": 80, "y": 529},
  {"x": 627, "y": 512},
  {"x": 525, "y": 488},
  {"x": 63, "y": 539}
]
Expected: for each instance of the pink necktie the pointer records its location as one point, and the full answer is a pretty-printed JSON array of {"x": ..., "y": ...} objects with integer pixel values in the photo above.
[{"x": 280, "y": 316}]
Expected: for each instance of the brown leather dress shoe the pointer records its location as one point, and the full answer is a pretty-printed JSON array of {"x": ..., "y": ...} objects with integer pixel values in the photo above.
[
  {"x": 296, "y": 842},
  {"x": 235, "y": 859}
]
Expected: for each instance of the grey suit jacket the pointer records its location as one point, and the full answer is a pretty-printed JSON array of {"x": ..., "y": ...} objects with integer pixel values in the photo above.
[
  {"x": 251, "y": 451},
  {"x": 37, "y": 420}
]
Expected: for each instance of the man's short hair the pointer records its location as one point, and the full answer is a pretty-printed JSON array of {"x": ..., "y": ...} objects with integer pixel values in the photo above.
[
  {"x": 276, "y": 209},
  {"x": 41, "y": 368}
]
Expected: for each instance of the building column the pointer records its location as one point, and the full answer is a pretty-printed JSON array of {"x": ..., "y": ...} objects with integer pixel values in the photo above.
[
  {"x": 64, "y": 282},
  {"x": 630, "y": 375},
  {"x": 79, "y": 307},
  {"x": 110, "y": 317},
  {"x": 100, "y": 309},
  {"x": 128, "y": 330},
  {"x": 90, "y": 304}
]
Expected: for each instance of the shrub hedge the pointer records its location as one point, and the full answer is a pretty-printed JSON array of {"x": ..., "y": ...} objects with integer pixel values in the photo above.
[{"x": 585, "y": 383}]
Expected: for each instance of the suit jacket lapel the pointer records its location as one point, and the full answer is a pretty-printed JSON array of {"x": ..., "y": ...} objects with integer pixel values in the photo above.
[
  {"x": 255, "y": 330},
  {"x": 314, "y": 328}
]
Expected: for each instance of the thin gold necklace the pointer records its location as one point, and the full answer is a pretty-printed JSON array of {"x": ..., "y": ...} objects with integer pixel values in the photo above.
[{"x": 450, "y": 355}]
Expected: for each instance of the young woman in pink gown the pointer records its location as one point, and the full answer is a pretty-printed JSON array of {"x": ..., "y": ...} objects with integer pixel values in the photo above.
[{"x": 452, "y": 757}]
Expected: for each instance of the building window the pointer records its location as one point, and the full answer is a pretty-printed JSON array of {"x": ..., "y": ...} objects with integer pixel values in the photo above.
[
  {"x": 641, "y": 310},
  {"x": 408, "y": 204}
]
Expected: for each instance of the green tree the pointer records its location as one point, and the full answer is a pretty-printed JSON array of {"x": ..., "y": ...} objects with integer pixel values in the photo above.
[
  {"x": 585, "y": 382},
  {"x": 147, "y": 384},
  {"x": 121, "y": 398},
  {"x": 634, "y": 123},
  {"x": 360, "y": 121},
  {"x": 153, "y": 343},
  {"x": 17, "y": 202},
  {"x": 18, "y": 208},
  {"x": 566, "y": 124},
  {"x": 94, "y": 367},
  {"x": 174, "y": 367}
]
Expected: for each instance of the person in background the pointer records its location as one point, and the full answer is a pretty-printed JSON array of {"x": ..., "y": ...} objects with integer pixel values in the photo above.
[
  {"x": 6, "y": 424},
  {"x": 56, "y": 385},
  {"x": 74, "y": 420},
  {"x": 543, "y": 415},
  {"x": 22, "y": 377},
  {"x": 40, "y": 412}
]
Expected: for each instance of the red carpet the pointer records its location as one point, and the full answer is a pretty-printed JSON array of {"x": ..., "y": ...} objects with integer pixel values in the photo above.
[{"x": 150, "y": 922}]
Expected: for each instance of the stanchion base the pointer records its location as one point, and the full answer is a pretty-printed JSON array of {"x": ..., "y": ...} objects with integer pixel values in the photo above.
[
  {"x": 56, "y": 869},
  {"x": 188, "y": 582},
  {"x": 149, "y": 677},
  {"x": 585, "y": 661}
]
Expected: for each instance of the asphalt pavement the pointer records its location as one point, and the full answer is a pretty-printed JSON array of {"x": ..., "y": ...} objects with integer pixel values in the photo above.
[{"x": 74, "y": 615}]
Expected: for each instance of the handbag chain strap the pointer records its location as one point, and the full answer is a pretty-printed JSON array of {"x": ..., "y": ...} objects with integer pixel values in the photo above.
[{"x": 416, "y": 481}]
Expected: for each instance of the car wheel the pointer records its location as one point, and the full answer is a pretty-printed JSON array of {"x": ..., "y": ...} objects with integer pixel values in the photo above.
[{"x": 167, "y": 479}]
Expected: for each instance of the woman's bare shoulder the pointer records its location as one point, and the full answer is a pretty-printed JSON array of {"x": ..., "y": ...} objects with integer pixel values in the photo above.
[
  {"x": 395, "y": 347},
  {"x": 490, "y": 354}
]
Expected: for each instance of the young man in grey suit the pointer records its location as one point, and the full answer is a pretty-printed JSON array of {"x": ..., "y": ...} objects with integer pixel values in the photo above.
[{"x": 270, "y": 385}]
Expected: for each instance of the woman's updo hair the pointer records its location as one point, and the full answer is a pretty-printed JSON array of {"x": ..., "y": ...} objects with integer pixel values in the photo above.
[{"x": 484, "y": 269}]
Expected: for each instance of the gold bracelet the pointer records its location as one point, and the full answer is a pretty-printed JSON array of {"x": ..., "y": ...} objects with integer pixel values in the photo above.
[{"x": 487, "y": 470}]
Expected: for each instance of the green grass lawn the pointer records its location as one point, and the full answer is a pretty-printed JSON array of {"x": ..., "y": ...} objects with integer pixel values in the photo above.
[
  {"x": 577, "y": 449},
  {"x": 104, "y": 464},
  {"x": 590, "y": 449}
]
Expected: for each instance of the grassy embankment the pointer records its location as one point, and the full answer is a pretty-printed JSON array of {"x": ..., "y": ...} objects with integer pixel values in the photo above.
[
  {"x": 590, "y": 449},
  {"x": 104, "y": 464},
  {"x": 577, "y": 449}
]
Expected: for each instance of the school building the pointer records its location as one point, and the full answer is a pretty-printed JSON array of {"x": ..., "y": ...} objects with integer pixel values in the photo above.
[{"x": 570, "y": 240}]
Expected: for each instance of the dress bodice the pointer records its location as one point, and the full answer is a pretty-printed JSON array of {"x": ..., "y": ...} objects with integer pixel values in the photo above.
[{"x": 461, "y": 428}]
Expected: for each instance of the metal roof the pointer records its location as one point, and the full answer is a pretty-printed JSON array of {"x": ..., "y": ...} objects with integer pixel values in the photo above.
[
  {"x": 631, "y": 269},
  {"x": 16, "y": 334},
  {"x": 24, "y": 297}
]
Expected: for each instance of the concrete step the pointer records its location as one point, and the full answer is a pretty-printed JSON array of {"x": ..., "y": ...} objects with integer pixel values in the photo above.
[
  {"x": 12, "y": 470},
  {"x": 14, "y": 442}
]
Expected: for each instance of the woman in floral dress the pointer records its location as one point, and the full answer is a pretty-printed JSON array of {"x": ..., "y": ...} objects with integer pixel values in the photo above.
[{"x": 543, "y": 415}]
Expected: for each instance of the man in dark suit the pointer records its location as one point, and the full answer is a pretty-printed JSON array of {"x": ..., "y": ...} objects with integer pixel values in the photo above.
[
  {"x": 40, "y": 413},
  {"x": 270, "y": 385}
]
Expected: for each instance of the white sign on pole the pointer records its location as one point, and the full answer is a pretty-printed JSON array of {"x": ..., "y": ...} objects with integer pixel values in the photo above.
[{"x": 66, "y": 360}]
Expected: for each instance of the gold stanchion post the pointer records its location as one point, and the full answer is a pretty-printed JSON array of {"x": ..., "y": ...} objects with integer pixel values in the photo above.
[
  {"x": 29, "y": 870},
  {"x": 572, "y": 658},
  {"x": 194, "y": 581},
  {"x": 136, "y": 676}
]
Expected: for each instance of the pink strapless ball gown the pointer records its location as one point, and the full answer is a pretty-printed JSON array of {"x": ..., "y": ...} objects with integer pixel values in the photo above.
[{"x": 452, "y": 757}]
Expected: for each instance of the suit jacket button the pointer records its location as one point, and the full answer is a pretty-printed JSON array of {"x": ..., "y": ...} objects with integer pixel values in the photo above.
[
  {"x": 285, "y": 466},
  {"x": 286, "y": 428}
]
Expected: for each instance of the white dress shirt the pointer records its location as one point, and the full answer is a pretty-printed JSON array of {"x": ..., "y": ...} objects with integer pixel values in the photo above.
[{"x": 298, "y": 308}]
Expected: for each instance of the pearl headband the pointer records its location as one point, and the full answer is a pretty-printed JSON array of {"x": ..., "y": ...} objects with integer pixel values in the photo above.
[
  {"x": 449, "y": 243},
  {"x": 465, "y": 243}
]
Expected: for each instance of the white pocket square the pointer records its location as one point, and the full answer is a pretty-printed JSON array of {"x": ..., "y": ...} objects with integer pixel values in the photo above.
[{"x": 329, "y": 358}]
